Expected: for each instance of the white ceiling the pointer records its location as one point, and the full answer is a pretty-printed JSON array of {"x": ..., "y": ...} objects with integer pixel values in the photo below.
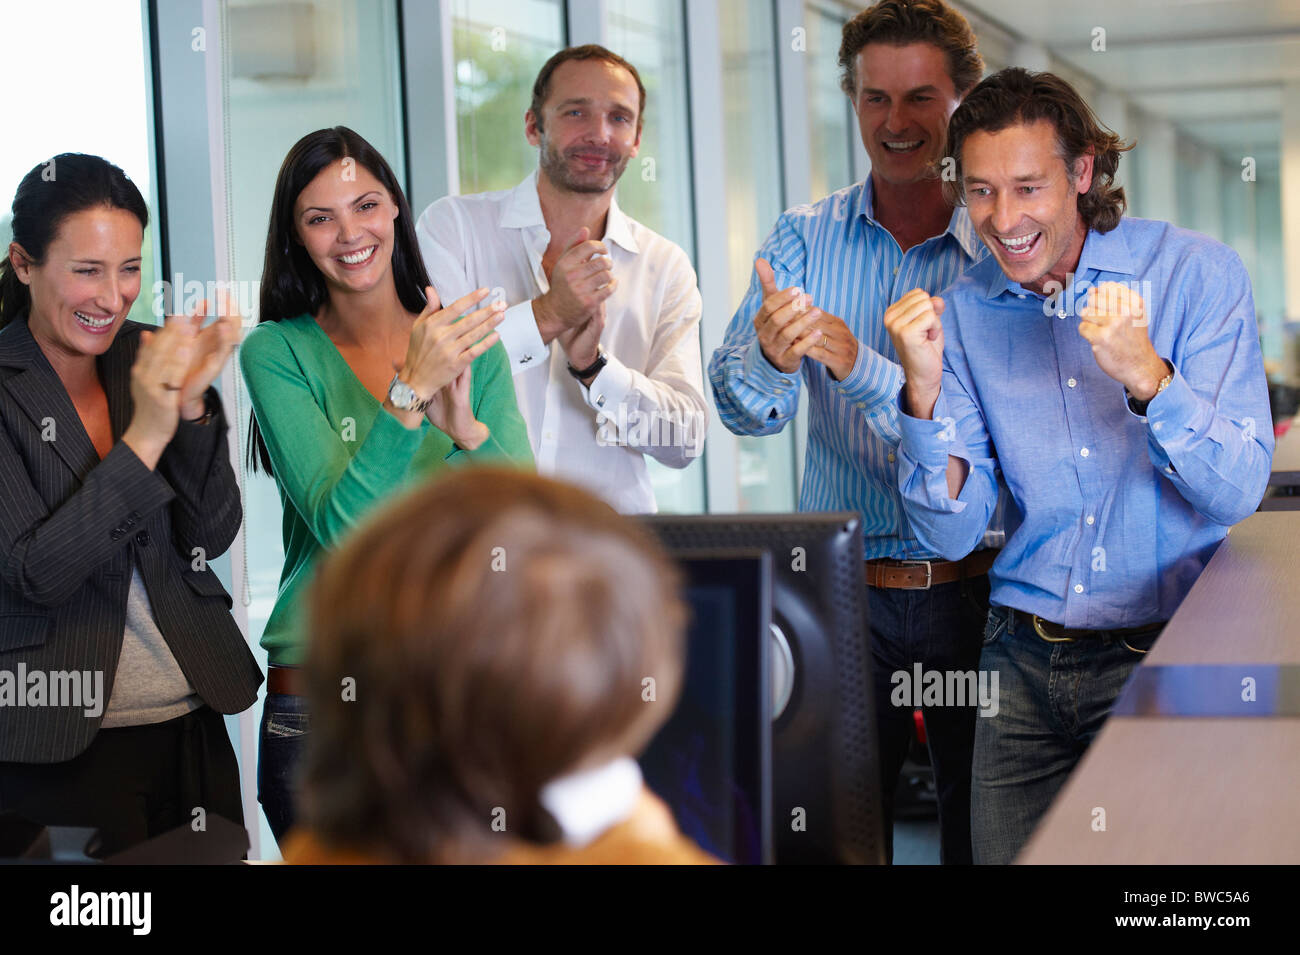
[{"x": 1215, "y": 68}]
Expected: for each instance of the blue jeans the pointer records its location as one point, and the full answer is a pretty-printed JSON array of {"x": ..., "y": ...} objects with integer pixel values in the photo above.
[
  {"x": 283, "y": 738},
  {"x": 940, "y": 629},
  {"x": 1052, "y": 701}
]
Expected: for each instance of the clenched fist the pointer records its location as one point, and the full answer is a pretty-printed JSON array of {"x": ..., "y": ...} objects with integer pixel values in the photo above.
[
  {"x": 913, "y": 324},
  {"x": 1115, "y": 324}
]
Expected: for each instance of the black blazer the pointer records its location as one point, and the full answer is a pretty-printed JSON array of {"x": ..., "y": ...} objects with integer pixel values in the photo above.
[{"x": 70, "y": 527}]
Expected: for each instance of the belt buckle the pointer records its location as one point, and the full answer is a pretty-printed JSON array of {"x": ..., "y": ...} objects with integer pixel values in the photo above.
[
  {"x": 1038, "y": 629},
  {"x": 929, "y": 571}
]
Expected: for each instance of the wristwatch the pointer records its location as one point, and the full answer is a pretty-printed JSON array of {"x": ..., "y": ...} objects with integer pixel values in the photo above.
[
  {"x": 210, "y": 409},
  {"x": 594, "y": 368},
  {"x": 1140, "y": 407},
  {"x": 403, "y": 396}
]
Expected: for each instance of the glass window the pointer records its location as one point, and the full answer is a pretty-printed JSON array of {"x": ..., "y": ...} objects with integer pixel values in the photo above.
[
  {"x": 765, "y": 465},
  {"x": 80, "y": 106},
  {"x": 499, "y": 46},
  {"x": 656, "y": 186},
  {"x": 831, "y": 123}
]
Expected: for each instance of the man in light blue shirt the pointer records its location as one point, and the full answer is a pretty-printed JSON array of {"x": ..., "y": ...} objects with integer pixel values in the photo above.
[
  {"x": 1108, "y": 370},
  {"x": 823, "y": 280}
]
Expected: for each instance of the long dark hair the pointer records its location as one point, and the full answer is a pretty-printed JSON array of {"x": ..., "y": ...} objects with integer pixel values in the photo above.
[
  {"x": 52, "y": 191},
  {"x": 291, "y": 283},
  {"x": 1014, "y": 96}
]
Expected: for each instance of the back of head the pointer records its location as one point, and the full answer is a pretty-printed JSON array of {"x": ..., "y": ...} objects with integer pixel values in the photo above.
[
  {"x": 1016, "y": 96},
  {"x": 496, "y": 628},
  {"x": 46, "y": 196}
]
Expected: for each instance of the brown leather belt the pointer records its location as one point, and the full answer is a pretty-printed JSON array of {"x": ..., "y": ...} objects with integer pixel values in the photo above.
[
  {"x": 1057, "y": 633},
  {"x": 924, "y": 574},
  {"x": 287, "y": 680}
]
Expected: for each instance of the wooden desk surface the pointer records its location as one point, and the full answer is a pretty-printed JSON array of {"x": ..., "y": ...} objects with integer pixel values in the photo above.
[
  {"x": 1245, "y": 606},
  {"x": 1286, "y": 457},
  {"x": 1179, "y": 791},
  {"x": 1199, "y": 789}
]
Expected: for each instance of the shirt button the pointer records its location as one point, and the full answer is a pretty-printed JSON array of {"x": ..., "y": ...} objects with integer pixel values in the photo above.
[
  {"x": 549, "y": 436},
  {"x": 891, "y": 457},
  {"x": 1155, "y": 426},
  {"x": 1083, "y": 452},
  {"x": 1078, "y": 588},
  {"x": 1071, "y": 382},
  {"x": 1020, "y": 296},
  {"x": 895, "y": 269},
  {"x": 1090, "y": 519},
  {"x": 1060, "y": 313}
]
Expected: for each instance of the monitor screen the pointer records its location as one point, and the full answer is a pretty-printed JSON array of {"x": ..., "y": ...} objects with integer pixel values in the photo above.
[{"x": 709, "y": 762}]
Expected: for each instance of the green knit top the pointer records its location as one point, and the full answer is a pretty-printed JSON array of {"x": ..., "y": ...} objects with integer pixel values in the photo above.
[{"x": 337, "y": 453}]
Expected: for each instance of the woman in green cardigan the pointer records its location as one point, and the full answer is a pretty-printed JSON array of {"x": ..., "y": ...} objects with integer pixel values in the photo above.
[{"x": 361, "y": 384}]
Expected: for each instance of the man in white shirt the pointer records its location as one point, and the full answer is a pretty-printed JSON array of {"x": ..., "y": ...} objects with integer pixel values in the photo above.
[{"x": 603, "y": 333}]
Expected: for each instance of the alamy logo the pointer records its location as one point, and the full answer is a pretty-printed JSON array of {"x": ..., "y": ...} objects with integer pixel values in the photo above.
[
  {"x": 75, "y": 907},
  {"x": 653, "y": 429},
  {"x": 945, "y": 688},
  {"x": 74, "y": 688}
]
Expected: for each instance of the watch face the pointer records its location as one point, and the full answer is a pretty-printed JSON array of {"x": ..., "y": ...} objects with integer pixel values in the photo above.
[{"x": 402, "y": 395}]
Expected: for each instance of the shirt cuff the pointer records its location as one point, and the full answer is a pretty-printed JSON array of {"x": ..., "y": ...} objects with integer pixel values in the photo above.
[
  {"x": 929, "y": 443},
  {"x": 522, "y": 340},
  {"x": 1166, "y": 409},
  {"x": 1168, "y": 414},
  {"x": 763, "y": 376},
  {"x": 873, "y": 380},
  {"x": 610, "y": 388}
]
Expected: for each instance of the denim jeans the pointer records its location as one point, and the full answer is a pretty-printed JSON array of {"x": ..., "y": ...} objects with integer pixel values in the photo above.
[
  {"x": 1053, "y": 699},
  {"x": 283, "y": 737},
  {"x": 940, "y": 629}
]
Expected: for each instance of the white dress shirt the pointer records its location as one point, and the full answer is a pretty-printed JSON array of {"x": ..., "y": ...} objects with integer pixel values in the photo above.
[{"x": 648, "y": 399}]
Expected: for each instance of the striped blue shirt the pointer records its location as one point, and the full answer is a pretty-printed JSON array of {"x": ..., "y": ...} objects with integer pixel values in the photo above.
[{"x": 852, "y": 267}]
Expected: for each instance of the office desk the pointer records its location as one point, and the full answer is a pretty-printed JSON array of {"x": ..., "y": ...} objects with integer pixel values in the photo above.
[{"x": 1201, "y": 789}]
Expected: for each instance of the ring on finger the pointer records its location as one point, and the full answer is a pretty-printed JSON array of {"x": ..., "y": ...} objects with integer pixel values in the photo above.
[{"x": 826, "y": 341}]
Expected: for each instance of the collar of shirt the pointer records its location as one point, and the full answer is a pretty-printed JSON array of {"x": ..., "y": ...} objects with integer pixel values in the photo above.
[
  {"x": 586, "y": 803},
  {"x": 523, "y": 210},
  {"x": 1102, "y": 252},
  {"x": 959, "y": 225}
]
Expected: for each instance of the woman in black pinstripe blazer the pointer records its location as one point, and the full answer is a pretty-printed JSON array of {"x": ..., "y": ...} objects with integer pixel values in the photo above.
[{"x": 117, "y": 649}]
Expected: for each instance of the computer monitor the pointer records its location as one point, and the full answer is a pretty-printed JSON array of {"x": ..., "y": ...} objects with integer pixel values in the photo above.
[
  {"x": 825, "y": 765},
  {"x": 711, "y": 762}
]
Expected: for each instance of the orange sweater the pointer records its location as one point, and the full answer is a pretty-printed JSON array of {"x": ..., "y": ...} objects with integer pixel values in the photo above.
[{"x": 648, "y": 837}]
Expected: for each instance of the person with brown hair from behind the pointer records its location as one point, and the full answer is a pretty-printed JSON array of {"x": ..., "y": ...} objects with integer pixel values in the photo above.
[{"x": 476, "y": 672}]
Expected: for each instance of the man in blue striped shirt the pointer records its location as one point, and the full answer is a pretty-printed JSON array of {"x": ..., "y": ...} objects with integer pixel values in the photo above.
[
  {"x": 823, "y": 280},
  {"x": 1109, "y": 369}
]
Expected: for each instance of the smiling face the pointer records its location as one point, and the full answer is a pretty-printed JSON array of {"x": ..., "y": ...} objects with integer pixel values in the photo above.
[
  {"x": 1024, "y": 202},
  {"x": 588, "y": 126},
  {"x": 903, "y": 99},
  {"x": 88, "y": 281},
  {"x": 344, "y": 219}
]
